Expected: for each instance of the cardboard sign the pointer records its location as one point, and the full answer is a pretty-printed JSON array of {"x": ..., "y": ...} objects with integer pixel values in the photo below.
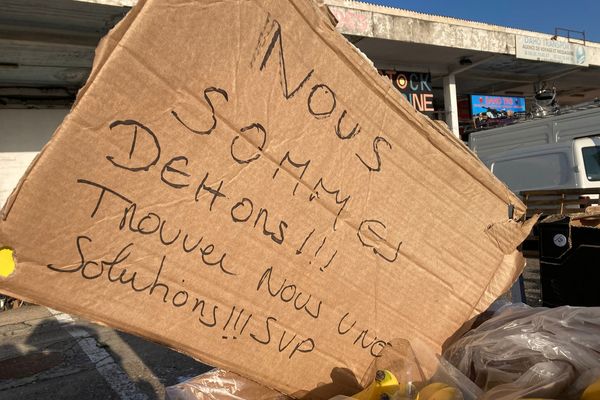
[{"x": 237, "y": 182}]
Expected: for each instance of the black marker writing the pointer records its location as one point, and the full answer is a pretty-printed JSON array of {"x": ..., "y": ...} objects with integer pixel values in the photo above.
[
  {"x": 151, "y": 222},
  {"x": 321, "y": 101},
  {"x": 145, "y": 160},
  {"x": 289, "y": 293},
  {"x": 208, "y": 131},
  {"x": 237, "y": 150},
  {"x": 320, "y": 189},
  {"x": 376, "y": 142},
  {"x": 244, "y": 209},
  {"x": 374, "y": 345},
  {"x": 324, "y": 267},
  {"x": 276, "y": 44},
  {"x": 371, "y": 235},
  {"x": 169, "y": 169},
  {"x": 216, "y": 193},
  {"x": 300, "y": 165},
  {"x": 302, "y": 346},
  {"x": 299, "y": 250},
  {"x": 338, "y": 128}
]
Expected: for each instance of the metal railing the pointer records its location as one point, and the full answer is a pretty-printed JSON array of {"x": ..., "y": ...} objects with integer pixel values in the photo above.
[{"x": 569, "y": 36}]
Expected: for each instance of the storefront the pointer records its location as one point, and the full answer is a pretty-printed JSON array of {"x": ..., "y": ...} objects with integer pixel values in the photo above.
[{"x": 472, "y": 75}]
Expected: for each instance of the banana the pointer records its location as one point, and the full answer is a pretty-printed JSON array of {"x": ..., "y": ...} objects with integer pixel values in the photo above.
[
  {"x": 383, "y": 387},
  {"x": 439, "y": 391},
  {"x": 429, "y": 390},
  {"x": 592, "y": 392}
]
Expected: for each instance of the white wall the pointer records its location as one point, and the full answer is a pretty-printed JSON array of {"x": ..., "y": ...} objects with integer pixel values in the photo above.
[{"x": 23, "y": 133}]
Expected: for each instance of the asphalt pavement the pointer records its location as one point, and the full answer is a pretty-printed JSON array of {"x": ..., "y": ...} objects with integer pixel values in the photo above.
[{"x": 49, "y": 355}]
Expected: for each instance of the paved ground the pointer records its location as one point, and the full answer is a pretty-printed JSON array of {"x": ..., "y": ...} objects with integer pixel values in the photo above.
[{"x": 46, "y": 355}]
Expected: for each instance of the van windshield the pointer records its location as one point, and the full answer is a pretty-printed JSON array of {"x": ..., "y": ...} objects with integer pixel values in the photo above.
[{"x": 591, "y": 160}]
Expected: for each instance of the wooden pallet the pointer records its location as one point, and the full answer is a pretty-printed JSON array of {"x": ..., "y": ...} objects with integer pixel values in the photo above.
[{"x": 564, "y": 202}]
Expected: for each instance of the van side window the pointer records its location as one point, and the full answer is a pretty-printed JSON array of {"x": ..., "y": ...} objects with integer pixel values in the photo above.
[
  {"x": 591, "y": 161},
  {"x": 534, "y": 171}
]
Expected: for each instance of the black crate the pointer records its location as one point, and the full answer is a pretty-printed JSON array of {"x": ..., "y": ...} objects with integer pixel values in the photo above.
[{"x": 569, "y": 263}]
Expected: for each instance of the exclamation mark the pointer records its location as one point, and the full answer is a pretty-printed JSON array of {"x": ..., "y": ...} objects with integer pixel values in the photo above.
[
  {"x": 237, "y": 322},
  {"x": 299, "y": 251},
  {"x": 328, "y": 262}
]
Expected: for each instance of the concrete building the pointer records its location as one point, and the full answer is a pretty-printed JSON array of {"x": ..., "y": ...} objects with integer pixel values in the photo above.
[
  {"x": 467, "y": 57},
  {"x": 47, "y": 49}
]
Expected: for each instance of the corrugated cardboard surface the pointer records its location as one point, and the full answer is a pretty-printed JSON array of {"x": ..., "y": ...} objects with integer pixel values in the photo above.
[{"x": 238, "y": 183}]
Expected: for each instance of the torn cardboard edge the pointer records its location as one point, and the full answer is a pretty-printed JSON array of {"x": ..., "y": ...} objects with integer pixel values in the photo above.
[
  {"x": 110, "y": 42},
  {"x": 421, "y": 122},
  {"x": 107, "y": 45},
  {"x": 451, "y": 149}
]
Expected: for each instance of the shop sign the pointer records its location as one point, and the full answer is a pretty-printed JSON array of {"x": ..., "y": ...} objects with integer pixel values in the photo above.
[
  {"x": 488, "y": 111},
  {"x": 482, "y": 104},
  {"x": 540, "y": 49},
  {"x": 415, "y": 86}
]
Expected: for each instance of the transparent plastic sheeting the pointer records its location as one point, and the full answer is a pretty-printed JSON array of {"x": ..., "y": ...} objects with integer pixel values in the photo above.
[
  {"x": 218, "y": 384},
  {"x": 520, "y": 352},
  {"x": 550, "y": 353}
]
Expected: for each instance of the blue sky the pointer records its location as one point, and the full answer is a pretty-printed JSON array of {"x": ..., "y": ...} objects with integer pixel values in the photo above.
[{"x": 535, "y": 15}]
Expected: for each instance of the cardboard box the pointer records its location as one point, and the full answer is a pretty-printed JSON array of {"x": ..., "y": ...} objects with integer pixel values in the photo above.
[{"x": 237, "y": 182}]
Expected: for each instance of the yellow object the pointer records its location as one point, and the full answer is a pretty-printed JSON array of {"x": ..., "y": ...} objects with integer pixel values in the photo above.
[
  {"x": 383, "y": 387},
  {"x": 592, "y": 392},
  {"x": 439, "y": 391},
  {"x": 7, "y": 262}
]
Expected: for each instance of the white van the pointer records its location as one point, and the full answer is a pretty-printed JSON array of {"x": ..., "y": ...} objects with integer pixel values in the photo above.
[{"x": 564, "y": 165}]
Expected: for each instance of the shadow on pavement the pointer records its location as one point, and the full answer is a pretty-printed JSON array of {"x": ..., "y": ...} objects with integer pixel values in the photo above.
[
  {"x": 46, "y": 359},
  {"x": 172, "y": 367}
]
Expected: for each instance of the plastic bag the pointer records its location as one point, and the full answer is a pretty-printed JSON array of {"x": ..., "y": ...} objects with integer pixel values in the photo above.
[
  {"x": 531, "y": 352},
  {"x": 218, "y": 384},
  {"x": 399, "y": 358},
  {"x": 408, "y": 361},
  {"x": 520, "y": 352}
]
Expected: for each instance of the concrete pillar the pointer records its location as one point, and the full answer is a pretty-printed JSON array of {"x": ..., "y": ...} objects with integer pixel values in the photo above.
[{"x": 451, "y": 104}]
